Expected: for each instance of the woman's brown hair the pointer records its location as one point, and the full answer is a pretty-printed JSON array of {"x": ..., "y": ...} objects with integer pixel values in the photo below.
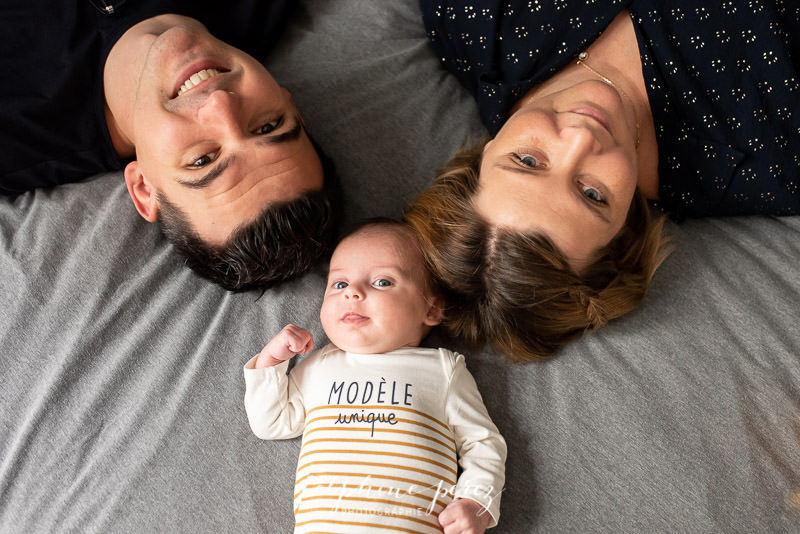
[{"x": 516, "y": 290}]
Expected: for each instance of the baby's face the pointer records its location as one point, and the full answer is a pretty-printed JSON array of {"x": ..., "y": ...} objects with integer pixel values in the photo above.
[{"x": 376, "y": 298}]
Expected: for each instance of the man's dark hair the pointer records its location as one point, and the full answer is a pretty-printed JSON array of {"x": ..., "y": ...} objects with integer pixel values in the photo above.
[{"x": 284, "y": 241}]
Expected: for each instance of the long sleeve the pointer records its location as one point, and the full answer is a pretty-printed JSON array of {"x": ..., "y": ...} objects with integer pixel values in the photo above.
[
  {"x": 273, "y": 402},
  {"x": 481, "y": 448}
]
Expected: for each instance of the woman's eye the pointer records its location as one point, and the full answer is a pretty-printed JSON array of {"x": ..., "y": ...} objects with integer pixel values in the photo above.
[
  {"x": 382, "y": 282},
  {"x": 592, "y": 194},
  {"x": 269, "y": 127},
  {"x": 528, "y": 161},
  {"x": 339, "y": 285}
]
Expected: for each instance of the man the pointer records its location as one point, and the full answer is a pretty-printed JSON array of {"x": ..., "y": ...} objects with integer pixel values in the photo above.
[{"x": 212, "y": 147}]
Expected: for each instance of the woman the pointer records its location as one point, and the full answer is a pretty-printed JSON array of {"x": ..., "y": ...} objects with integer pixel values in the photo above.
[{"x": 595, "y": 108}]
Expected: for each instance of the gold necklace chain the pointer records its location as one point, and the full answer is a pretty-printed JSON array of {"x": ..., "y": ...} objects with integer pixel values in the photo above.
[{"x": 582, "y": 57}]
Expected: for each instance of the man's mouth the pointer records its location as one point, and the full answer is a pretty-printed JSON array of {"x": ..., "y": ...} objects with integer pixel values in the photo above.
[{"x": 197, "y": 78}]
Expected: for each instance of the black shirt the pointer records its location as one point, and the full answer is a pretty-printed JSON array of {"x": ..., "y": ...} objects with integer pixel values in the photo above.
[
  {"x": 722, "y": 79},
  {"x": 52, "y": 57}
]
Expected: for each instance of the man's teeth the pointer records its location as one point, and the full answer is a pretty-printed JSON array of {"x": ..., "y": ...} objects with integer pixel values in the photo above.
[{"x": 196, "y": 78}]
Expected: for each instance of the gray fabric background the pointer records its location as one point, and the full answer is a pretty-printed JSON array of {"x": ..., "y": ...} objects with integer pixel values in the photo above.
[{"x": 121, "y": 386}]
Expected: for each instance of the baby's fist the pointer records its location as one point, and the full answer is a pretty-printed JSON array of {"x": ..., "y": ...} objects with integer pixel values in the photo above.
[
  {"x": 464, "y": 516},
  {"x": 290, "y": 341}
]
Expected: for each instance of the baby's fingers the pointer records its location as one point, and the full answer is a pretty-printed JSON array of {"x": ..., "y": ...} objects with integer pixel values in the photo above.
[
  {"x": 298, "y": 340},
  {"x": 464, "y": 516},
  {"x": 290, "y": 341}
]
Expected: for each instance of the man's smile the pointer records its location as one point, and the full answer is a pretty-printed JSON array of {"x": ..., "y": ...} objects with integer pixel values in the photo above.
[{"x": 196, "y": 78}]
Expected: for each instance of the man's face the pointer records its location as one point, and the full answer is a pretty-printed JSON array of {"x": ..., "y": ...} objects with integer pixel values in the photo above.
[{"x": 213, "y": 132}]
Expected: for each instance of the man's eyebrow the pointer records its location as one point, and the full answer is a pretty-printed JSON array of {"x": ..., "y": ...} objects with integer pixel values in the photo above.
[
  {"x": 289, "y": 135},
  {"x": 209, "y": 177},
  {"x": 215, "y": 172}
]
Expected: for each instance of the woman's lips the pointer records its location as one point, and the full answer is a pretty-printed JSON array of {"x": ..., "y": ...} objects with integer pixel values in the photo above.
[{"x": 593, "y": 113}]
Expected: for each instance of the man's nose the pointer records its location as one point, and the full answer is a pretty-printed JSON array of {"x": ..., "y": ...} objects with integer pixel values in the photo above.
[{"x": 221, "y": 108}]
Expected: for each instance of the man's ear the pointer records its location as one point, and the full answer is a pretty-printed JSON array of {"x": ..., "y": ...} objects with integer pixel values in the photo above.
[
  {"x": 142, "y": 193},
  {"x": 435, "y": 311}
]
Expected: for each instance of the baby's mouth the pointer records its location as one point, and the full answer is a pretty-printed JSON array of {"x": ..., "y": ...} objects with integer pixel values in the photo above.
[{"x": 353, "y": 318}]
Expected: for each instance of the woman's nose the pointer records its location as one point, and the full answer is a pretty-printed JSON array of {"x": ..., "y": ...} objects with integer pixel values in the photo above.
[{"x": 577, "y": 137}]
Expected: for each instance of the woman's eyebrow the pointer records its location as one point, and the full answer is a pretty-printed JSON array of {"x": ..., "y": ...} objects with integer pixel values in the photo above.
[
  {"x": 594, "y": 208},
  {"x": 516, "y": 168}
]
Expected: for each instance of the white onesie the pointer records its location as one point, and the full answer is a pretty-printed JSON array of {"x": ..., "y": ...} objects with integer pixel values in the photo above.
[{"x": 381, "y": 435}]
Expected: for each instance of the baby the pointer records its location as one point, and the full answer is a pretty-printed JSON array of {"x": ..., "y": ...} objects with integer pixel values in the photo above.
[{"x": 383, "y": 420}]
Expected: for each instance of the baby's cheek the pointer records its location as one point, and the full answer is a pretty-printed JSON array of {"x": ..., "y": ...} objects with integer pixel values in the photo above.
[{"x": 325, "y": 314}]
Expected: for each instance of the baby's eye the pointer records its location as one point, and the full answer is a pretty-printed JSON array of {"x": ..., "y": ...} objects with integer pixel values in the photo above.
[
  {"x": 382, "y": 282},
  {"x": 339, "y": 285}
]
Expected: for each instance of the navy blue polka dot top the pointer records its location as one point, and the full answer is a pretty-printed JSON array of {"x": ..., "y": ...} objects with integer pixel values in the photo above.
[{"x": 722, "y": 79}]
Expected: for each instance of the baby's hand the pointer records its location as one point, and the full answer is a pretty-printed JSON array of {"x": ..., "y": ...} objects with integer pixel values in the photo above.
[
  {"x": 464, "y": 516},
  {"x": 290, "y": 341}
]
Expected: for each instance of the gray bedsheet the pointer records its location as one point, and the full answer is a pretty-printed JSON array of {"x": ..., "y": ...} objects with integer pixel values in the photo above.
[{"x": 120, "y": 371}]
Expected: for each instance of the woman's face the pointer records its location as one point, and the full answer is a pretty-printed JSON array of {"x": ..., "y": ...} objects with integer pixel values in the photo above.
[{"x": 564, "y": 164}]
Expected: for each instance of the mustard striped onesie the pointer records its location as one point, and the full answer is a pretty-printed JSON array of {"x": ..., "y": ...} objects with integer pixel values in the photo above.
[{"x": 381, "y": 436}]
